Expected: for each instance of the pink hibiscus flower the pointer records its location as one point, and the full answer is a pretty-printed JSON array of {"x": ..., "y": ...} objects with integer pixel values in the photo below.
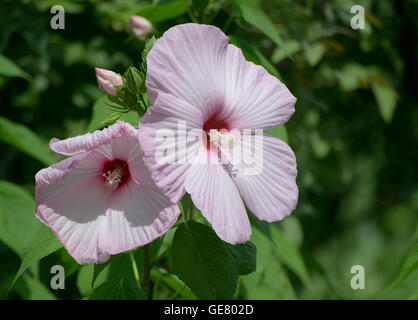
[
  {"x": 196, "y": 78},
  {"x": 101, "y": 200}
]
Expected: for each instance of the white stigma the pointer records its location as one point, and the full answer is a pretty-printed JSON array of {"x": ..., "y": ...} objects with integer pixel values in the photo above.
[
  {"x": 113, "y": 179},
  {"x": 223, "y": 138}
]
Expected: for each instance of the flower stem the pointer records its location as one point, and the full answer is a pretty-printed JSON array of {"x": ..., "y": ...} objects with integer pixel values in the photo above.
[
  {"x": 186, "y": 204},
  {"x": 135, "y": 268},
  {"x": 147, "y": 270}
]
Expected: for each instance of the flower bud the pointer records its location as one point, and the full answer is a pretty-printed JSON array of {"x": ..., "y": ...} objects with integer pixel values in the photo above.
[
  {"x": 134, "y": 80},
  {"x": 107, "y": 80},
  {"x": 140, "y": 27}
]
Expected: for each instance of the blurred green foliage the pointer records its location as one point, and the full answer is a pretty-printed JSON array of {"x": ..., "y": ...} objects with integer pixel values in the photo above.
[{"x": 354, "y": 132}]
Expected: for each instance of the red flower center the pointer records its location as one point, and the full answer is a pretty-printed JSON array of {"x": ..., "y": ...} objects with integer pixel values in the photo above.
[
  {"x": 116, "y": 174},
  {"x": 214, "y": 123}
]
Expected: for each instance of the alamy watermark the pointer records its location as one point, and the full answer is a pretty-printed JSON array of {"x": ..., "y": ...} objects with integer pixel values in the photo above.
[
  {"x": 236, "y": 149},
  {"x": 359, "y": 278},
  {"x": 357, "y": 21},
  {"x": 58, "y": 280},
  {"x": 58, "y": 20}
]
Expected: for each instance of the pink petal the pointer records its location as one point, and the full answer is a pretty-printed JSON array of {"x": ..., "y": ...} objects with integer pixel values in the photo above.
[
  {"x": 71, "y": 201},
  {"x": 136, "y": 216},
  {"x": 272, "y": 194},
  {"x": 254, "y": 98},
  {"x": 166, "y": 114},
  {"x": 216, "y": 196},
  {"x": 90, "y": 141},
  {"x": 67, "y": 171},
  {"x": 188, "y": 61},
  {"x": 107, "y": 80}
]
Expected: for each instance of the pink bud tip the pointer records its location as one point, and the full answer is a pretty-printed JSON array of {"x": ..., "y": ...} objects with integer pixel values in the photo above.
[
  {"x": 140, "y": 27},
  {"x": 107, "y": 80}
]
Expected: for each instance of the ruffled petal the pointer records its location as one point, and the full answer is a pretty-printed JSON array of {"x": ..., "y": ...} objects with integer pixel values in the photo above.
[
  {"x": 136, "y": 216},
  {"x": 91, "y": 141},
  {"x": 216, "y": 196},
  {"x": 254, "y": 98},
  {"x": 266, "y": 179},
  {"x": 188, "y": 61}
]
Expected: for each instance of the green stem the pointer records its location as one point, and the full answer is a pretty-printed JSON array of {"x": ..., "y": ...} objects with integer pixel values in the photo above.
[
  {"x": 156, "y": 284},
  {"x": 135, "y": 268},
  {"x": 147, "y": 270},
  {"x": 186, "y": 204}
]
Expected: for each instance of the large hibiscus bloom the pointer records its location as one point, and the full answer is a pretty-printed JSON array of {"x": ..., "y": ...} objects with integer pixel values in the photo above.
[
  {"x": 195, "y": 77},
  {"x": 101, "y": 200}
]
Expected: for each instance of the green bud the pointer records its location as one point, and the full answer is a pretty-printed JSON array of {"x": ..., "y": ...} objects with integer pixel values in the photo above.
[{"x": 134, "y": 81}]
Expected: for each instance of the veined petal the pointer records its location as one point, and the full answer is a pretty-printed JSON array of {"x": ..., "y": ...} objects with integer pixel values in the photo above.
[
  {"x": 91, "y": 141},
  {"x": 268, "y": 185},
  {"x": 72, "y": 205},
  {"x": 158, "y": 132},
  {"x": 62, "y": 174},
  {"x": 188, "y": 61},
  {"x": 254, "y": 98},
  {"x": 171, "y": 106},
  {"x": 136, "y": 216},
  {"x": 216, "y": 196}
]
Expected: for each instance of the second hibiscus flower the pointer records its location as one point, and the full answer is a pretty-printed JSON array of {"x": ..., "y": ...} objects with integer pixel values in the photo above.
[{"x": 196, "y": 78}]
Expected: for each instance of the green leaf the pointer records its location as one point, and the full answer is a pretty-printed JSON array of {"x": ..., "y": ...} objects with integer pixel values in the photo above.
[
  {"x": 44, "y": 243},
  {"x": 102, "y": 113},
  {"x": 411, "y": 264},
  {"x": 165, "y": 11},
  {"x": 251, "y": 53},
  {"x": 270, "y": 280},
  {"x": 86, "y": 275},
  {"x": 290, "y": 255},
  {"x": 10, "y": 69},
  {"x": 98, "y": 269},
  {"x": 245, "y": 256},
  {"x": 201, "y": 260},
  {"x": 118, "y": 289},
  {"x": 148, "y": 46},
  {"x": 30, "y": 288},
  {"x": 25, "y": 140},
  {"x": 314, "y": 52},
  {"x": 405, "y": 287},
  {"x": 18, "y": 224},
  {"x": 353, "y": 76},
  {"x": 120, "y": 280},
  {"x": 289, "y": 48},
  {"x": 254, "y": 15},
  {"x": 386, "y": 99},
  {"x": 172, "y": 282},
  {"x": 134, "y": 81},
  {"x": 68, "y": 262}
]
